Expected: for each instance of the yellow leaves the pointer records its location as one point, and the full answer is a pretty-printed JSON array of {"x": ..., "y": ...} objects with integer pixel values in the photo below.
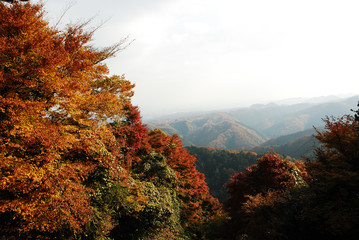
[
  {"x": 136, "y": 192},
  {"x": 137, "y": 203},
  {"x": 20, "y": 177},
  {"x": 54, "y": 201}
]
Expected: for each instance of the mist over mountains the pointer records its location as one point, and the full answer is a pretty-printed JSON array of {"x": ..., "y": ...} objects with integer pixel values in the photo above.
[{"x": 252, "y": 126}]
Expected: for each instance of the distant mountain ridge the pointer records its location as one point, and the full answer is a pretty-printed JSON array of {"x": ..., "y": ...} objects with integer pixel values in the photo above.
[
  {"x": 316, "y": 100},
  {"x": 249, "y": 127},
  {"x": 297, "y": 145},
  {"x": 273, "y": 120},
  {"x": 218, "y": 130}
]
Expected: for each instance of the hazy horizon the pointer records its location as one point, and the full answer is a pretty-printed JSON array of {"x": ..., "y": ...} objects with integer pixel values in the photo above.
[
  {"x": 287, "y": 101},
  {"x": 207, "y": 55}
]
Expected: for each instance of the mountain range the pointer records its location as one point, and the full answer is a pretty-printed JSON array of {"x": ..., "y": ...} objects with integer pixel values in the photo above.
[
  {"x": 219, "y": 130},
  {"x": 243, "y": 128},
  {"x": 297, "y": 145}
]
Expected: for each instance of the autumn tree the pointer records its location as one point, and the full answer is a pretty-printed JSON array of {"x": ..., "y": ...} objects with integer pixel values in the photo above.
[
  {"x": 254, "y": 193},
  {"x": 55, "y": 97},
  {"x": 332, "y": 205},
  {"x": 271, "y": 173},
  {"x": 326, "y": 207},
  {"x": 152, "y": 206}
]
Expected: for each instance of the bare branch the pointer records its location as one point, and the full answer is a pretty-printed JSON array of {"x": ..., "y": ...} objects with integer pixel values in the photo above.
[{"x": 68, "y": 7}]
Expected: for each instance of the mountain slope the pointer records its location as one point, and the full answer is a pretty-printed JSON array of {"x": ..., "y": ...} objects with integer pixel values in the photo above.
[
  {"x": 296, "y": 145},
  {"x": 219, "y": 165},
  {"x": 218, "y": 130},
  {"x": 274, "y": 120}
]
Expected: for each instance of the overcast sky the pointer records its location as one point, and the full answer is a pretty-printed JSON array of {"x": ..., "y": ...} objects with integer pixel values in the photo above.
[{"x": 209, "y": 54}]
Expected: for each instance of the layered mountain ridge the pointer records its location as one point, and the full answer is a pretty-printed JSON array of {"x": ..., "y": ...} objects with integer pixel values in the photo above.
[
  {"x": 218, "y": 130},
  {"x": 252, "y": 126}
]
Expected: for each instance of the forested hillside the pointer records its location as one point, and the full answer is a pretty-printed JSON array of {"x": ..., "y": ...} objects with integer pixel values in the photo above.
[
  {"x": 219, "y": 165},
  {"x": 296, "y": 145}
]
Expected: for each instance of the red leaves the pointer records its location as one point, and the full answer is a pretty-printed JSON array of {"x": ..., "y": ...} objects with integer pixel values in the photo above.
[
  {"x": 131, "y": 137},
  {"x": 272, "y": 173}
]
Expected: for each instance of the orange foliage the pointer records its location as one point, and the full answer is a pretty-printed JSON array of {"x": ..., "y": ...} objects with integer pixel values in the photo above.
[{"x": 55, "y": 96}]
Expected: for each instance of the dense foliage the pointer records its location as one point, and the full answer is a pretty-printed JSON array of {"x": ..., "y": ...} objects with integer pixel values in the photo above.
[
  {"x": 76, "y": 160},
  {"x": 332, "y": 205},
  {"x": 258, "y": 185},
  {"x": 277, "y": 199},
  {"x": 219, "y": 165}
]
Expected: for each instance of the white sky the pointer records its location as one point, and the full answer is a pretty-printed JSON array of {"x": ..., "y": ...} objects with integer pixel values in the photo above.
[{"x": 209, "y": 54}]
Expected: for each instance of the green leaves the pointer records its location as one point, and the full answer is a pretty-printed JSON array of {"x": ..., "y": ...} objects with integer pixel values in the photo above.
[{"x": 155, "y": 168}]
